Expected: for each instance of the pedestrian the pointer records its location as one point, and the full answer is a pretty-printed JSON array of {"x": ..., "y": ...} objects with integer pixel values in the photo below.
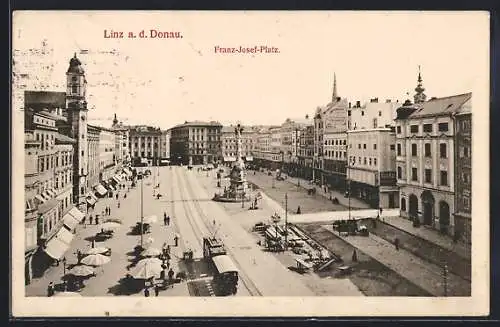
[
  {"x": 97, "y": 220},
  {"x": 298, "y": 210},
  {"x": 157, "y": 290},
  {"x": 380, "y": 209},
  {"x": 109, "y": 211},
  {"x": 165, "y": 218},
  {"x": 396, "y": 243},
  {"x": 354, "y": 256},
  {"x": 125, "y": 195},
  {"x": 146, "y": 292},
  {"x": 168, "y": 264},
  {"x": 170, "y": 275},
  {"x": 50, "y": 289},
  {"x": 118, "y": 204},
  {"x": 117, "y": 195},
  {"x": 93, "y": 243},
  {"x": 168, "y": 250},
  {"x": 83, "y": 220},
  {"x": 90, "y": 219},
  {"x": 168, "y": 220},
  {"x": 163, "y": 274},
  {"x": 176, "y": 240},
  {"x": 79, "y": 256}
]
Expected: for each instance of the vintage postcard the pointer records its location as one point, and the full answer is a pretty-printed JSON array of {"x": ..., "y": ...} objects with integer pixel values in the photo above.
[{"x": 250, "y": 163}]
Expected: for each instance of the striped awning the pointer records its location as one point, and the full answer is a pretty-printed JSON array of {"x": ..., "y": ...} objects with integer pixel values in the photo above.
[
  {"x": 101, "y": 189},
  {"x": 52, "y": 192},
  {"x": 117, "y": 178}
]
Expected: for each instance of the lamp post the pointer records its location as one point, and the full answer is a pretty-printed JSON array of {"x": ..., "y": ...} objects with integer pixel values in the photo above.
[
  {"x": 286, "y": 221},
  {"x": 348, "y": 173},
  {"x": 297, "y": 155},
  {"x": 142, "y": 211},
  {"x": 445, "y": 279},
  {"x": 64, "y": 271}
]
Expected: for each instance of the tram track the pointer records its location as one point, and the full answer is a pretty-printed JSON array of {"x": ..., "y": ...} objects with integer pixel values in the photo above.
[{"x": 247, "y": 282}]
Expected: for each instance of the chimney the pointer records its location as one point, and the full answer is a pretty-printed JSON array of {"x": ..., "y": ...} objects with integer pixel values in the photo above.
[
  {"x": 338, "y": 98},
  {"x": 358, "y": 104},
  {"x": 388, "y": 101},
  {"x": 374, "y": 100}
]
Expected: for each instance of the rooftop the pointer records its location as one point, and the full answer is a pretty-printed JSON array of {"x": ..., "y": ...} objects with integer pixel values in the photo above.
[
  {"x": 63, "y": 139},
  {"x": 197, "y": 123},
  {"x": 441, "y": 106}
]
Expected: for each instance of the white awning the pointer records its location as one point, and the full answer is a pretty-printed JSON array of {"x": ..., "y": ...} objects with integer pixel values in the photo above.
[
  {"x": 70, "y": 221},
  {"x": 117, "y": 178},
  {"x": 91, "y": 199},
  {"x": 52, "y": 192},
  {"x": 101, "y": 189},
  {"x": 249, "y": 158},
  {"x": 56, "y": 248},
  {"x": 65, "y": 235},
  {"x": 77, "y": 214},
  {"x": 229, "y": 159}
]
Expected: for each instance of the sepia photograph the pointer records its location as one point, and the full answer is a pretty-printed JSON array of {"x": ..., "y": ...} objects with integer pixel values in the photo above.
[{"x": 250, "y": 163}]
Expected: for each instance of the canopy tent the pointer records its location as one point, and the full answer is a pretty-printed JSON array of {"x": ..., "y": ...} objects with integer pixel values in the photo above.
[
  {"x": 77, "y": 214},
  {"x": 117, "y": 178},
  {"x": 52, "y": 192},
  {"x": 91, "y": 199},
  {"x": 65, "y": 235}
]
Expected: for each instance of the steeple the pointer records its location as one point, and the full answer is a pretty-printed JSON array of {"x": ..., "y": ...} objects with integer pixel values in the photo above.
[
  {"x": 334, "y": 93},
  {"x": 419, "y": 97},
  {"x": 115, "y": 121}
]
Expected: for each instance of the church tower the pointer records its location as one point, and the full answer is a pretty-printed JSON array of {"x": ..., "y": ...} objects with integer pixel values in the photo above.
[
  {"x": 334, "y": 92},
  {"x": 77, "y": 117},
  {"x": 419, "y": 97}
]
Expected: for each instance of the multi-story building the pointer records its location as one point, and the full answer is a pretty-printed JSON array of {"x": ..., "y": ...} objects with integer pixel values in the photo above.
[
  {"x": 165, "y": 147},
  {"x": 371, "y": 169},
  {"x": 262, "y": 150},
  {"x": 122, "y": 147},
  {"x": 306, "y": 152},
  {"x": 290, "y": 131},
  {"x": 276, "y": 154},
  {"x": 48, "y": 183},
  {"x": 196, "y": 143},
  {"x": 228, "y": 141},
  {"x": 335, "y": 158},
  {"x": 374, "y": 114},
  {"x": 145, "y": 143},
  {"x": 107, "y": 154},
  {"x": 93, "y": 177},
  {"x": 463, "y": 172},
  {"x": 426, "y": 158}
]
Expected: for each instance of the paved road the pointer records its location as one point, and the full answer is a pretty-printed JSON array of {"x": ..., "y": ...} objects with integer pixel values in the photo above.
[{"x": 244, "y": 219}]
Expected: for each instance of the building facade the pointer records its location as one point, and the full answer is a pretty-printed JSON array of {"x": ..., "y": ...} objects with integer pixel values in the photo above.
[
  {"x": 93, "y": 177},
  {"x": 306, "y": 152},
  {"x": 374, "y": 114},
  {"x": 426, "y": 159},
  {"x": 107, "y": 153},
  {"x": 463, "y": 173},
  {"x": 371, "y": 169},
  {"x": 165, "y": 147},
  {"x": 229, "y": 146},
  {"x": 196, "y": 143},
  {"x": 145, "y": 143},
  {"x": 335, "y": 158}
]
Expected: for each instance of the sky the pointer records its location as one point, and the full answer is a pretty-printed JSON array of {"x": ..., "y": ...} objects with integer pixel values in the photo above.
[{"x": 164, "y": 82}]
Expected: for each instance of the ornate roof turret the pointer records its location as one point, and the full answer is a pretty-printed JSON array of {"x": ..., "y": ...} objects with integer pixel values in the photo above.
[
  {"x": 419, "y": 97},
  {"x": 75, "y": 66},
  {"x": 115, "y": 121}
]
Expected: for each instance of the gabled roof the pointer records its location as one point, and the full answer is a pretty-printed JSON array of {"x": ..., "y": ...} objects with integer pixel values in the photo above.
[{"x": 440, "y": 106}]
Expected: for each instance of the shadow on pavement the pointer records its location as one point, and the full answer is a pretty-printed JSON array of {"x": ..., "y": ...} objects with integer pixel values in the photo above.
[{"x": 124, "y": 287}]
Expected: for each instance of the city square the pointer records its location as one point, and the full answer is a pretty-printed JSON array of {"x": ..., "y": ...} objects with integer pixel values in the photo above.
[{"x": 357, "y": 197}]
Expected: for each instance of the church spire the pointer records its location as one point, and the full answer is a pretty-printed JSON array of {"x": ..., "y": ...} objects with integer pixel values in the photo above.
[
  {"x": 419, "y": 96},
  {"x": 115, "y": 121},
  {"x": 334, "y": 93}
]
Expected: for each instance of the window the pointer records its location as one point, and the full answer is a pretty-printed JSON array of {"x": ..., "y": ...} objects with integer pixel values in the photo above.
[
  {"x": 359, "y": 146},
  {"x": 74, "y": 89},
  {"x": 364, "y": 161},
  {"x": 349, "y": 113},
  {"x": 414, "y": 128},
  {"x": 400, "y": 173},
  {"x": 380, "y": 113},
  {"x": 465, "y": 178},
  {"x": 375, "y": 146},
  {"x": 399, "y": 149},
  {"x": 375, "y": 161},
  {"x": 442, "y": 150},
  {"x": 398, "y": 129},
  {"x": 428, "y": 175},
  {"x": 375, "y": 123},
  {"x": 362, "y": 113},
  {"x": 443, "y": 127},
  {"x": 392, "y": 147},
  {"x": 414, "y": 174},
  {"x": 427, "y": 150},
  {"x": 444, "y": 178},
  {"x": 466, "y": 152},
  {"x": 414, "y": 150},
  {"x": 370, "y": 161},
  {"x": 427, "y": 128},
  {"x": 82, "y": 153},
  {"x": 403, "y": 204},
  {"x": 364, "y": 146}
]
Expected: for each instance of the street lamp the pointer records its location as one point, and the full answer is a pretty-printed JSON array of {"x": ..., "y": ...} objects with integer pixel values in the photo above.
[
  {"x": 142, "y": 211},
  {"x": 64, "y": 272},
  {"x": 286, "y": 221}
]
